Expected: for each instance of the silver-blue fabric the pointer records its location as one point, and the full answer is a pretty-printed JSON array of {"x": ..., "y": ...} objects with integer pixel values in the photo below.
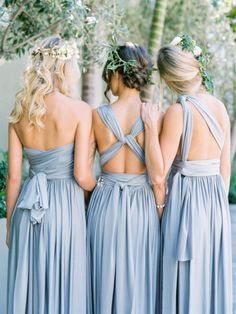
[
  {"x": 108, "y": 117},
  {"x": 123, "y": 232},
  {"x": 196, "y": 235},
  {"x": 47, "y": 253}
]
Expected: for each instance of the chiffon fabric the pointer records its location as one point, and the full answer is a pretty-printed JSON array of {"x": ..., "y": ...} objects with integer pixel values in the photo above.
[
  {"x": 196, "y": 236},
  {"x": 123, "y": 232},
  {"x": 47, "y": 253}
]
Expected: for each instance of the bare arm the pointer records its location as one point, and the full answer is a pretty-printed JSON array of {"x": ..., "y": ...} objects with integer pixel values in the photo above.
[
  {"x": 92, "y": 147},
  {"x": 225, "y": 163},
  {"x": 161, "y": 151},
  {"x": 14, "y": 173},
  {"x": 92, "y": 151},
  {"x": 82, "y": 161}
]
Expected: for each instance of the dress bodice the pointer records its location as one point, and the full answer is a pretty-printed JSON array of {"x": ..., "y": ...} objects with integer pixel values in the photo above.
[
  {"x": 55, "y": 163},
  {"x": 52, "y": 164},
  {"x": 197, "y": 167},
  {"x": 108, "y": 117}
]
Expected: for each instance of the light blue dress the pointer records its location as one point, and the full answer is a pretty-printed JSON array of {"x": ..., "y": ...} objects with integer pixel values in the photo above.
[
  {"x": 47, "y": 253},
  {"x": 196, "y": 268},
  {"x": 123, "y": 232}
]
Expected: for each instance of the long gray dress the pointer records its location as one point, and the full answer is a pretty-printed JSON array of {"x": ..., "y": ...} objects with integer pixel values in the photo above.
[
  {"x": 123, "y": 234},
  {"x": 47, "y": 253},
  {"x": 196, "y": 268}
]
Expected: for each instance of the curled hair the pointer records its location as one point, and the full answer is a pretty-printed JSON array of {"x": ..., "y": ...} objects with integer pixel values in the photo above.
[
  {"x": 138, "y": 75},
  {"x": 40, "y": 77},
  {"x": 178, "y": 68}
]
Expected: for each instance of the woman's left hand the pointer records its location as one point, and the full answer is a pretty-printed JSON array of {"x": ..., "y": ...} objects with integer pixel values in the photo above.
[{"x": 152, "y": 116}]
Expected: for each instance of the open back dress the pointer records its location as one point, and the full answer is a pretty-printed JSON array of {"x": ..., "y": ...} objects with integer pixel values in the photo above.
[
  {"x": 123, "y": 232},
  {"x": 196, "y": 229}
]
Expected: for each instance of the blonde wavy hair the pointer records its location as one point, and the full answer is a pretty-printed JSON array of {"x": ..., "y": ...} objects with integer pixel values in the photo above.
[
  {"x": 179, "y": 69},
  {"x": 42, "y": 75}
]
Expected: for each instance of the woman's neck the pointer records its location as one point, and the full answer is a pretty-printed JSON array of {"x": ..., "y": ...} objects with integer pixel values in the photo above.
[
  {"x": 200, "y": 91},
  {"x": 130, "y": 95}
]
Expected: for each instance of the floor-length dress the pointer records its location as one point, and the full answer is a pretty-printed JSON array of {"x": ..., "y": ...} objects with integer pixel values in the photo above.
[
  {"x": 47, "y": 253},
  {"x": 123, "y": 234},
  {"x": 196, "y": 268}
]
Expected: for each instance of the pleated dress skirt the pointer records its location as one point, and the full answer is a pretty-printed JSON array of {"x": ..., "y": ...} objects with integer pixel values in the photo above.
[
  {"x": 196, "y": 240},
  {"x": 123, "y": 247},
  {"x": 47, "y": 253}
]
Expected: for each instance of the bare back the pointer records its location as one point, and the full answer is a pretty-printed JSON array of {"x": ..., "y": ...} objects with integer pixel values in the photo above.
[
  {"x": 127, "y": 117},
  {"x": 66, "y": 122},
  {"x": 203, "y": 144},
  {"x": 199, "y": 141},
  {"x": 60, "y": 124}
]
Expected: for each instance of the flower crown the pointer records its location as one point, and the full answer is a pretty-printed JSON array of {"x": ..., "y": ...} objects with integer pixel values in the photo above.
[
  {"x": 114, "y": 62},
  {"x": 187, "y": 43},
  {"x": 65, "y": 52}
]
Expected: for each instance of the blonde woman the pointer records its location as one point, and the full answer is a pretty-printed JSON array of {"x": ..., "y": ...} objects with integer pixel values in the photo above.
[
  {"x": 195, "y": 146},
  {"x": 46, "y": 219}
]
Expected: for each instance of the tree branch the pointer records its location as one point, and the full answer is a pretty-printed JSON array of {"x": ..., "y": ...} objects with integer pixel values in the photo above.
[
  {"x": 17, "y": 13},
  {"x": 32, "y": 38}
]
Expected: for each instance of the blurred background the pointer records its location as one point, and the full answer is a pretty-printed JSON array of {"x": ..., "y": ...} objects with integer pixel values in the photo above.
[{"x": 212, "y": 23}]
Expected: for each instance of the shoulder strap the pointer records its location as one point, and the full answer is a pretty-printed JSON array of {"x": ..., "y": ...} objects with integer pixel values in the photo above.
[
  {"x": 210, "y": 120},
  {"x": 187, "y": 128},
  {"x": 106, "y": 114},
  {"x": 109, "y": 119},
  {"x": 131, "y": 141}
]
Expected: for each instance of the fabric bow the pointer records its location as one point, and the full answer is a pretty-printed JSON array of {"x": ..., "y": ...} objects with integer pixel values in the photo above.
[{"x": 35, "y": 197}]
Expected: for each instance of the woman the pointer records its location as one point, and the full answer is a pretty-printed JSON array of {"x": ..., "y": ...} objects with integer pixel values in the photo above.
[
  {"x": 195, "y": 146},
  {"x": 46, "y": 220},
  {"x": 122, "y": 224}
]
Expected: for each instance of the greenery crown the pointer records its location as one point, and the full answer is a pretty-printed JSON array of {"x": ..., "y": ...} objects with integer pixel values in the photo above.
[
  {"x": 115, "y": 62},
  {"x": 189, "y": 44}
]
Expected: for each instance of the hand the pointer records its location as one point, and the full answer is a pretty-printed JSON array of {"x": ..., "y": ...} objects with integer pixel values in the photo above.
[{"x": 152, "y": 116}]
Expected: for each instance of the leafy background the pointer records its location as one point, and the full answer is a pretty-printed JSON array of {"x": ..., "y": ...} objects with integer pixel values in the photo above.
[{"x": 148, "y": 22}]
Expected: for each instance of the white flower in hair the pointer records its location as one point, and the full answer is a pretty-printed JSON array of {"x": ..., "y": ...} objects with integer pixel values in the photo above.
[
  {"x": 176, "y": 41},
  {"x": 130, "y": 44},
  {"x": 66, "y": 52},
  {"x": 197, "y": 51}
]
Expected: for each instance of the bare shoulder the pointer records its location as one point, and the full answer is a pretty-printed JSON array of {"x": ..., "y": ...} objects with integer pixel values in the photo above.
[
  {"x": 175, "y": 108},
  {"x": 12, "y": 127},
  {"x": 174, "y": 113},
  {"x": 81, "y": 106},
  {"x": 221, "y": 110},
  {"x": 173, "y": 122},
  {"x": 80, "y": 109}
]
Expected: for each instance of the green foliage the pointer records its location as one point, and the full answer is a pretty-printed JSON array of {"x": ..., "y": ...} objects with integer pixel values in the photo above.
[
  {"x": 138, "y": 18},
  {"x": 215, "y": 3},
  {"x": 3, "y": 177},
  {"x": 23, "y": 22},
  {"x": 187, "y": 43},
  {"x": 115, "y": 62},
  {"x": 232, "y": 189},
  {"x": 210, "y": 27},
  {"x": 110, "y": 27},
  {"x": 91, "y": 23},
  {"x": 232, "y": 16}
]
